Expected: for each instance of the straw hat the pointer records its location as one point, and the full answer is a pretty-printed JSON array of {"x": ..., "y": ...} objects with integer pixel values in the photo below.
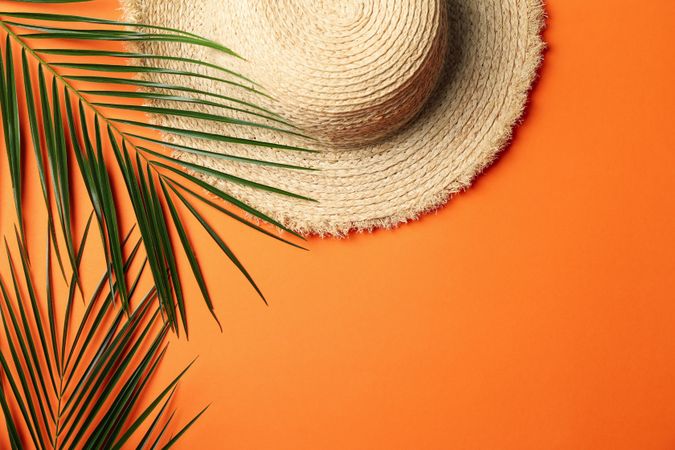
[{"x": 409, "y": 99}]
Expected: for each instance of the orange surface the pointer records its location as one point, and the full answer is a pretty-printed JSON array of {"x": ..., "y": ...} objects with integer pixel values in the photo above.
[{"x": 536, "y": 311}]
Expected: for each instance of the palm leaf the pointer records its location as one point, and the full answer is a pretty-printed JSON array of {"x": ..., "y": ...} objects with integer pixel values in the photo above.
[
  {"x": 37, "y": 148},
  {"x": 10, "y": 122},
  {"x": 83, "y": 125},
  {"x": 95, "y": 400}
]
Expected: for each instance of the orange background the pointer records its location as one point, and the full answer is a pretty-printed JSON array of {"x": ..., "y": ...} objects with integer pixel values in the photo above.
[{"x": 536, "y": 311}]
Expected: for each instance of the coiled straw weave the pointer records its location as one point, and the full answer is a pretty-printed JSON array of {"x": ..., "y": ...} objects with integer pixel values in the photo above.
[{"x": 409, "y": 99}]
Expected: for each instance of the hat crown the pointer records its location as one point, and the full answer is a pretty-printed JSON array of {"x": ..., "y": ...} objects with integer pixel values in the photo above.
[{"x": 351, "y": 72}]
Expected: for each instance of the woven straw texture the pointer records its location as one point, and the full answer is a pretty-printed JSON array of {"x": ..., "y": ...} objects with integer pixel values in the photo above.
[{"x": 409, "y": 100}]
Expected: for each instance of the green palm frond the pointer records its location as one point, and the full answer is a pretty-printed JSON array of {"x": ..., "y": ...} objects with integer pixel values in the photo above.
[
  {"x": 69, "y": 123},
  {"x": 83, "y": 381}
]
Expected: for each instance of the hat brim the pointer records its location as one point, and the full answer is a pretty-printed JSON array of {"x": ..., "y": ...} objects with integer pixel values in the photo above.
[{"x": 494, "y": 50}]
